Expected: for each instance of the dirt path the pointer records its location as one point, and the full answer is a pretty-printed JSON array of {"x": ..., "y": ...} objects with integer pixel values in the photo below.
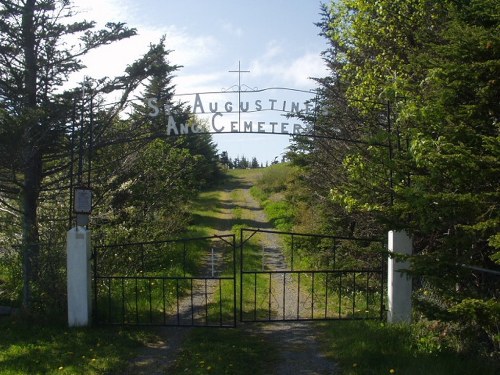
[
  {"x": 299, "y": 350},
  {"x": 296, "y": 341}
]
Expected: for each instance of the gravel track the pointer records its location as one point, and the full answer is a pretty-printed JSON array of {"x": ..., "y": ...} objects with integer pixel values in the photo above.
[
  {"x": 296, "y": 341},
  {"x": 299, "y": 351}
]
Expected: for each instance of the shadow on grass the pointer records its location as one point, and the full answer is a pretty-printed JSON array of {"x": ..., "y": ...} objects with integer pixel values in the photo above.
[
  {"x": 208, "y": 209},
  {"x": 227, "y": 224},
  {"x": 225, "y": 351},
  {"x": 30, "y": 348},
  {"x": 367, "y": 347}
]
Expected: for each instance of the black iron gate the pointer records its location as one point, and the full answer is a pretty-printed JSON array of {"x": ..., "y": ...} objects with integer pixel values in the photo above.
[
  {"x": 293, "y": 277},
  {"x": 284, "y": 276},
  {"x": 162, "y": 282}
]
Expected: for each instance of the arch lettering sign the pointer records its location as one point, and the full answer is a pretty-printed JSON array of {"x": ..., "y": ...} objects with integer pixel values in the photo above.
[{"x": 227, "y": 115}]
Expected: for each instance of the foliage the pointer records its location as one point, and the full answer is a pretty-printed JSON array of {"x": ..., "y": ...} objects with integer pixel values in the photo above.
[
  {"x": 269, "y": 190},
  {"x": 53, "y": 138},
  {"x": 143, "y": 193},
  {"x": 276, "y": 178},
  {"x": 41, "y": 117},
  {"x": 241, "y": 163},
  {"x": 376, "y": 348},
  {"x": 280, "y": 215},
  {"x": 480, "y": 315},
  {"x": 410, "y": 117},
  {"x": 36, "y": 114},
  {"x": 147, "y": 183}
]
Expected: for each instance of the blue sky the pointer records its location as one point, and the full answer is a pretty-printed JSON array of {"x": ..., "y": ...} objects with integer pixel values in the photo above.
[{"x": 276, "y": 40}]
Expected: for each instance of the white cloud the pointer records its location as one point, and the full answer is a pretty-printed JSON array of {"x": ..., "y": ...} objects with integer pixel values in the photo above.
[
  {"x": 295, "y": 73},
  {"x": 195, "y": 53},
  {"x": 102, "y": 11},
  {"x": 187, "y": 50},
  {"x": 273, "y": 50},
  {"x": 189, "y": 83},
  {"x": 305, "y": 67},
  {"x": 232, "y": 29}
]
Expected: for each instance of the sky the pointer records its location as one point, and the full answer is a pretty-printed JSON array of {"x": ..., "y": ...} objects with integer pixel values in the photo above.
[{"x": 276, "y": 41}]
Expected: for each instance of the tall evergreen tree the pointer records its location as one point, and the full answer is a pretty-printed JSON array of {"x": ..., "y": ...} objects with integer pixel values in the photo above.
[
  {"x": 36, "y": 118},
  {"x": 416, "y": 82},
  {"x": 161, "y": 89}
]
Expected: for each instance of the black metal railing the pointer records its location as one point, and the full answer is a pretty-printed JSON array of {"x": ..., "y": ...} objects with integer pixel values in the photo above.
[
  {"x": 185, "y": 282},
  {"x": 342, "y": 278}
]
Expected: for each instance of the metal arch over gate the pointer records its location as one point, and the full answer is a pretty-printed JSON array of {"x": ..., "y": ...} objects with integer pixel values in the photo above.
[
  {"x": 159, "y": 283},
  {"x": 137, "y": 283},
  {"x": 276, "y": 284}
]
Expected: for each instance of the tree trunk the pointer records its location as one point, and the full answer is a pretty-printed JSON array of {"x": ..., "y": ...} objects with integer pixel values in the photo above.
[
  {"x": 31, "y": 247},
  {"x": 32, "y": 156}
]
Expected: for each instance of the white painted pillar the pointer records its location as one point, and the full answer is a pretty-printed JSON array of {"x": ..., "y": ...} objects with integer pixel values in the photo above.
[
  {"x": 399, "y": 284},
  {"x": 78, "y": 278}
]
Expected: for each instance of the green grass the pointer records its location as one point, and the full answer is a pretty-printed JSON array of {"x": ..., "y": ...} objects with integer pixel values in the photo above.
[
  {"x": 225, "y": 351},
  {"x": 377, "y": 348},
  {"x": 279, "y": 212},
  {"x": 28, "y": 348},
  {"x": 205, "y": 213},
  {"x": 268, "y": 190},
  {"x": 359, "y": 347},
  {"x": 276, "y": 178}
]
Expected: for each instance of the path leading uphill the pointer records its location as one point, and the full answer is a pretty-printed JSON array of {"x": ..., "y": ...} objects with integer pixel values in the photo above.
[{"x": 296, "y": 342}]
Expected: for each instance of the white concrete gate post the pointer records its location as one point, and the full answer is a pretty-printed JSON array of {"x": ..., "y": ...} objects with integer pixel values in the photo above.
[
  {"x": 78, "y": 278},
  {"x": 399, "y": 284}
]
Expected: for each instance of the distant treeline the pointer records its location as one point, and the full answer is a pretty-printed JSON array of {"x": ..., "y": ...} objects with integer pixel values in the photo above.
[{"x": 244, "y": 163}]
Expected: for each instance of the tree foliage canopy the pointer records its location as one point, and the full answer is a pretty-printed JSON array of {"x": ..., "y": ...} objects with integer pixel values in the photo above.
[
  {"x": 53, "y": 137},
  {"x": 414, "y": 90}
]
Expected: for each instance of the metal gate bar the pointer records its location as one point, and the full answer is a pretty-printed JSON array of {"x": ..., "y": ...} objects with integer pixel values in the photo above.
[
  {"x": 299, "y": 302},
  {"x": 294, "y": 294},
  {"x": 168, "y": 300},
  {"x": 147, "y": 309}
]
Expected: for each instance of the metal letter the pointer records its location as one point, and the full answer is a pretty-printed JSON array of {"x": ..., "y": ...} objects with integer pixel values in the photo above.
[
  {"x": 273, "y": 124},
  {"x": 272, "y": 103},
  {"x": 213, "y": 122},
  {"x": 243, "y": 109},
  {"x": 152, "y": 104},
  {"x": 213, "y": 110},
  {"x": 198, "y": 103},
  {"x": 247, "y": 126},
  {"x": 171, "y": 126}
]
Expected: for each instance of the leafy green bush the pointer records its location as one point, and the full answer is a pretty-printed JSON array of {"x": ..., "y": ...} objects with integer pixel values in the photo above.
[
  {"x": 427, "y": 347},
  {"x": 480, "y": 315},
  {"x": 276, "y": 178},
  {"x": 280, "y": 214},
  {"x": 10, "y": 276}
]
